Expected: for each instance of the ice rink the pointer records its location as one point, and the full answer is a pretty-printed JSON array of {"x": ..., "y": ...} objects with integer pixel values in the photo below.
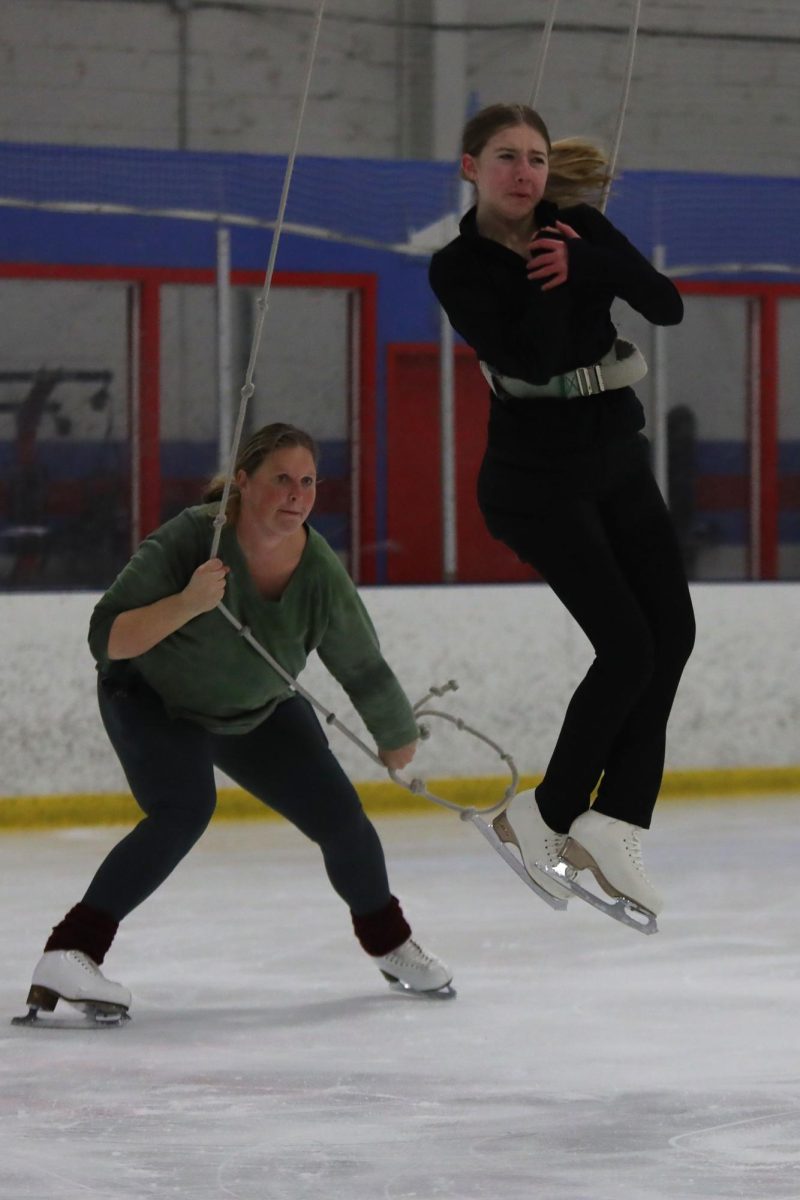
[{"x": 268, "y": 1060}]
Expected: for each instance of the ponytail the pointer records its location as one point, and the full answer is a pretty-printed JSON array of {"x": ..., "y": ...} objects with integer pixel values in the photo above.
[{"x": 578, "y": 173}]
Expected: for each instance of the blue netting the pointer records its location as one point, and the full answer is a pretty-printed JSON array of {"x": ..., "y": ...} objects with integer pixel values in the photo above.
[{"x": 701, "y": 219}]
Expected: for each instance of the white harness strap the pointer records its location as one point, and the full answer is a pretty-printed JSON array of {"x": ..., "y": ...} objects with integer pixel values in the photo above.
[{"x": 622, "y": 366}]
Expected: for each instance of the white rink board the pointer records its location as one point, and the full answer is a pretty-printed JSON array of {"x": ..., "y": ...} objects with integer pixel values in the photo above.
[{"x": 515, "y": 652}]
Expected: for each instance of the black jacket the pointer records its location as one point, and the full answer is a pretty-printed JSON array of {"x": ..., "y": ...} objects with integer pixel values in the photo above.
[{"x": 520, "y": 330}]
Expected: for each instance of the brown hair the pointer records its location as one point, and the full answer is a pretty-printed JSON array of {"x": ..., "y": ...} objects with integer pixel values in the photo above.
[
  {"x": 252, "y": 454},
  {"x": 578, "y": 169}
]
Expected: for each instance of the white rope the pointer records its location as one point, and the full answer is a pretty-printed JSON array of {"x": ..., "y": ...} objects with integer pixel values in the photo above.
[
  {"x": 623, "y": 103},
  {"x": 543, "y": 49},
  {"x": 263, "y": 299},
  {"x": 416, "y": 786},
  {"x": 626, "y": 87}
]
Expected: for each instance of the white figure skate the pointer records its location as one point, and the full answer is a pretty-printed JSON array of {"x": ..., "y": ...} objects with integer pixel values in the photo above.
[
  {"x": 521, "y": 825},
  {"x": 410, "y": 968},
  {"x": 611, "y": 849},
  {"x": 72, "y": 976}
]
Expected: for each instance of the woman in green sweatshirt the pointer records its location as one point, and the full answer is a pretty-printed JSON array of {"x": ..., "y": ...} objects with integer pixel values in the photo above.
[{"x": 180, "y": 692}]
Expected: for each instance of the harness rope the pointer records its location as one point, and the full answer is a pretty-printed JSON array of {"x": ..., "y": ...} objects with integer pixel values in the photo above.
[
  {"x": 263, "y": 299},
  {"x": 623, "y": 102},
  {"x": 543, "y": 49},
  {"x": 416, "y": 786}
]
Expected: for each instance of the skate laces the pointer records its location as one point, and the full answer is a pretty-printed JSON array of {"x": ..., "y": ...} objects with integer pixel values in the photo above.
[
  {"x": 633, "y": 844},
  {"x": 554, "y": 848},
  {"x": 420, "y": 955},
  {"x": 83, "y": 960},
  {"x": 410, "y": 953}
]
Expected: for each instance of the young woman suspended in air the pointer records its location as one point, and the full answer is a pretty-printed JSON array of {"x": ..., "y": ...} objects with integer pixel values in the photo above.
[{"x": 565, "y": 481}]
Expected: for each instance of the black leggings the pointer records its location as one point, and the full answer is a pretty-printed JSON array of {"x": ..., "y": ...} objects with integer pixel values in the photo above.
[
  {"x": 285, "y": 762},
  {"x": 599, "y": 533}
]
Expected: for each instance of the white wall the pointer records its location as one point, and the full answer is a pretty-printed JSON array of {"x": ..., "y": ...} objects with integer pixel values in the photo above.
[
  {"x": 716, "y": 86},
  {"x": 514, "y": 651}
]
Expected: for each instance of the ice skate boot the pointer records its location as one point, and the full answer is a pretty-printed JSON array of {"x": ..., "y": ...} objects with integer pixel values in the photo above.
[
  {"x": 611, "y": 849},
  {"x": 72, "y": 976},
  {"x": 522, "y": 825},
  {"x": 410, "y": 968}
]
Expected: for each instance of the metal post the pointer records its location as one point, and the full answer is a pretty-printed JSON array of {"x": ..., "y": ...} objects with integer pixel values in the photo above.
[
  {"x": 755, "y": 430},
  {"x": 224, "y": 345},
  {"x": 134, "y": 411},
  {"x": 447, "y": 416},
  {"x": 660, "y": 393},
  {"x": 447, "y": 422},
  {"x": 354, "y": 335}
]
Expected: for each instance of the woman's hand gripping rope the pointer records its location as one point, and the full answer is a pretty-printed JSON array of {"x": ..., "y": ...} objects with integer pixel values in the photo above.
[
  {"x": 395, "y": 760},
  {"x": 418, "y": 787},
  {"x": 206, "y": 587}
]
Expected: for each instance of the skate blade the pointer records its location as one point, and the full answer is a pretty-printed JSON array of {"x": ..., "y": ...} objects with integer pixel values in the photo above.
[
  {"x": 623, "y": 909},
  {"x": 505, "y": 831},
  {"x": 87, "y": 1021},
  {"x": 448, "y": 992},
  {"x": 96, "y": 1014},
  {"x": 495, "y": 835}
]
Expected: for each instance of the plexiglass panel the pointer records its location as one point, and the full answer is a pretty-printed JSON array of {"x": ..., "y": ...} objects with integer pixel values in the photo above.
[
  {"x": 302, "y": 376},
  {"x": 65, "y": 514},
  {"x": 705, "y": 374}
]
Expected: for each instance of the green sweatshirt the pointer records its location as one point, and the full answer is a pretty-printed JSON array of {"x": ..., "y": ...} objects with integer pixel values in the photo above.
[{"x": 206, "y": 672}]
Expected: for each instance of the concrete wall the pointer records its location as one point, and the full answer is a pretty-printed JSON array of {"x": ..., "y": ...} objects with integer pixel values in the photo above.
[
  {"x": 514, "y": 651},
  {"x": 716, "y": 86}
]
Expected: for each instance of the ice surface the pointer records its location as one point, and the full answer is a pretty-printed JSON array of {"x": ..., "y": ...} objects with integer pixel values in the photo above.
[{"x": 267, "y": 1059}]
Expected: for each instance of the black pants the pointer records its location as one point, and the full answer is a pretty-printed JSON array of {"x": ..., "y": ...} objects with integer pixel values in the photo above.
[
  {"x": 596, "y": 528},
  {"x": 285, "y": 762}
]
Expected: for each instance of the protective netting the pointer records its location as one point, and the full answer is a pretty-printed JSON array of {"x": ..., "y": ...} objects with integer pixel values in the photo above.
[
  {"x": 705, "y": 221},
  {"x": 382, "y": 202}
]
